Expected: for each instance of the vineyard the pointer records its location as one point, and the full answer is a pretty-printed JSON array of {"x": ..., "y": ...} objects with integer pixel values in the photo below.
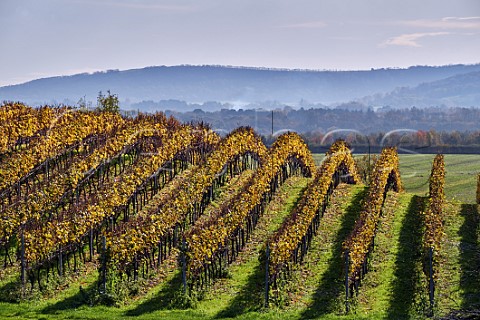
[{"x": 104, "y": 216}]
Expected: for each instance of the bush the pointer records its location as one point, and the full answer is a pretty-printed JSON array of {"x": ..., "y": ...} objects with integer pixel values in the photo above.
[{"x": 108, "y": 103}]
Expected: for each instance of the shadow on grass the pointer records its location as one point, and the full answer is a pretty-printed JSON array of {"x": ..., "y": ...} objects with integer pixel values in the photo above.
[
  {"x": 470, "y": 257},
  {"x": 250, "y": 298},
  {"x": 164, "y": 299},
  {"x": 11, "y": 291},
  {"x": 407, "y": 274},
  {"x": 82, "y": 297},
  {"x": 327, "y": 296},
  {"x": 252, "y": 295}
]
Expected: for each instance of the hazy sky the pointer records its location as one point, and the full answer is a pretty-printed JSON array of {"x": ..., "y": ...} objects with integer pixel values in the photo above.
[{"x": 41, "y": 38}]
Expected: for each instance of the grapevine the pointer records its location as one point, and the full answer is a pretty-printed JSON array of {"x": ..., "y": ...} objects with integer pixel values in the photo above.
[
  {"x": 478, "y": 188},
  {"x": 211, "y": 239},
  {"x": 71, "y": 226},
  {"x": 433, "y": 220},
  {"x": 19, "y": 124},
  {"x": 151, "y": 225},
  {"x": 434, "y": 213},
  {"x": 66, "y": 130},
  {"x": 296, "y": 231},
  {"x": 385, "y": 176},
  {"x": 47, "y": 197}
]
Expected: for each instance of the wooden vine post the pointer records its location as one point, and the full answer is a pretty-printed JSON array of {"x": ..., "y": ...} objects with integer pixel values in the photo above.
[
  {"x": 347, "y": 286},
  {"x": 103, "y": 284},
  {"x": 184, "y": 265},
  {"x": 22, "y": 261},
  {"x": 60, "y": 262},
  {"x": 267, "y": 275},
  {"x": 431, "y": 280},
  {"x": 478, "y": 189}
]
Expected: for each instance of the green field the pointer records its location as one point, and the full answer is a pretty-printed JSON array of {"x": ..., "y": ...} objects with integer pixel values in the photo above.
[
  {"x": 461, "y": 174},
  {"x": 394, "y": 288}
]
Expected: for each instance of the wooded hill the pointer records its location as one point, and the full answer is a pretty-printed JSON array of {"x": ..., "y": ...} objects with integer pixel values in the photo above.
[{"x": 239, "y": 86}]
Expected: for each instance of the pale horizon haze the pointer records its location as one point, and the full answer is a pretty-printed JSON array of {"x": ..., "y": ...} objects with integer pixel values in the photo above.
[{"x": 62, "y": 37}]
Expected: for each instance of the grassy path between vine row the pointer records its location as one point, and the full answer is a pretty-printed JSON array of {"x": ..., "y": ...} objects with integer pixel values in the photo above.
[
  {"x": 457, "y": 290},
  {"x": 243, "y": 291},
  {"x": 322, "y": 292},
  {"x": 395, "y": 286}
]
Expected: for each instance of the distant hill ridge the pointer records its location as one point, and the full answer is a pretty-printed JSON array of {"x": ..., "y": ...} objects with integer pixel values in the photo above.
[
  {"x": 459, "y": 90},
  {"x": 244, "y": 85}
]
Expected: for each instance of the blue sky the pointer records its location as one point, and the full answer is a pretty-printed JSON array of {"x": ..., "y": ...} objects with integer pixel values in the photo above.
[{"x": 41, "y": 38}]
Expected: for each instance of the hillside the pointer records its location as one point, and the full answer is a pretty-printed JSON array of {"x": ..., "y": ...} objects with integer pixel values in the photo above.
[
  {"x": 239, "y": 86},
  {"x": 458, "y": 90}
]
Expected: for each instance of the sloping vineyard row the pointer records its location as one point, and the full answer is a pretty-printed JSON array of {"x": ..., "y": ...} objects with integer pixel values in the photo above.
[
  {"x": 359, "y": 244},
  {"x": 85, "y": 163},
  {"x": 290, "y": 242},
  {"x": 153, "y": 227},
  {"x": 434, "y": 213},
  {"x": 19, "y": 125},
  {"x": 65, "y": 130},
  {"x": 63, "y": 172},
  {"x": 74, "y": 224},
  {"x": 37, "y": 209},
  {"x": 433, "y": 220},
  {"x": 218, "y": 239}
]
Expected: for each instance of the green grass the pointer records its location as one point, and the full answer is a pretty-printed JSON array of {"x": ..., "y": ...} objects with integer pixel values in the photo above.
[
  {"x": 460, "y": 178},
  {"x": 318, "y": 157},
  {"x": 393, "y": 288},
  {"x": 322, "y": 270},
  {"x": 406, "y": 289},
  {"x": 458, "y": 286}
]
